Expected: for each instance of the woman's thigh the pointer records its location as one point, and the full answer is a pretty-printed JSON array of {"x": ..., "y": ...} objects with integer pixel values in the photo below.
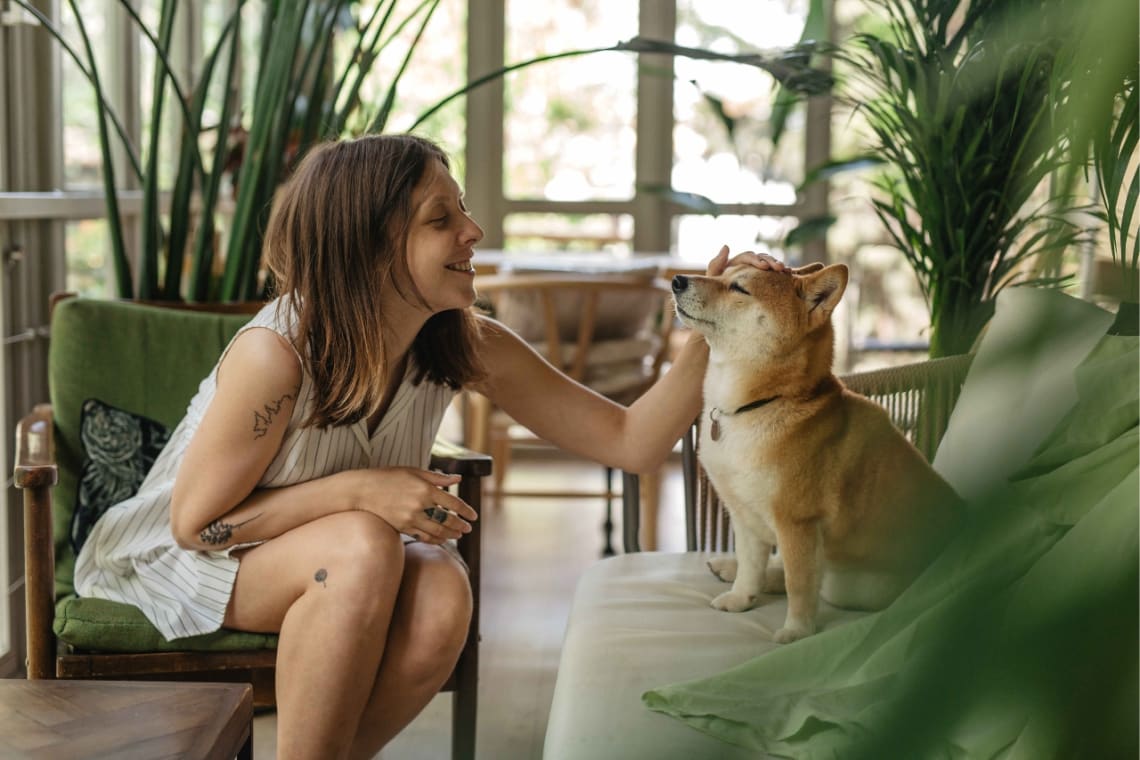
[{"x": 352, "y": 552}]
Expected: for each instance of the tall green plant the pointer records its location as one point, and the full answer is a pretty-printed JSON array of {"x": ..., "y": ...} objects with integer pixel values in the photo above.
[
  {"x": 1100, "y": 109},
  {"x": 959, "y": 97},
  {"x": 302, "y": 94}
]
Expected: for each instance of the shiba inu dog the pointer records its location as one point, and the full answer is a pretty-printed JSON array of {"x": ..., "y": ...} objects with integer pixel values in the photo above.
[{"x": 802, "y": 464}]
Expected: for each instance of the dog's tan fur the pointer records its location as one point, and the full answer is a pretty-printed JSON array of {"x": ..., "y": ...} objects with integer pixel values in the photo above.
[{"x": 818, "y": 472}]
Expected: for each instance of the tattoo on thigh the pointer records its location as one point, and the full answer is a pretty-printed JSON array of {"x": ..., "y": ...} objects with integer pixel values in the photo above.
[
  {"x": 219, "y": 532},
  {"x": 264, "y": 419},
  {"x": 320, "y": 576}
]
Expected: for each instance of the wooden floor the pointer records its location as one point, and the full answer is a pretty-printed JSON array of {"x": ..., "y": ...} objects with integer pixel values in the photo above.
[{"x": 533, "y": 552}]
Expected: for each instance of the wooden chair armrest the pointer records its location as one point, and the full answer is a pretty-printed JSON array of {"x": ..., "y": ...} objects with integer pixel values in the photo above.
[
  {"x": 35, "y": 473},
  {"x": 35, "y": 450},
  {"x": 456, "y": 460}
]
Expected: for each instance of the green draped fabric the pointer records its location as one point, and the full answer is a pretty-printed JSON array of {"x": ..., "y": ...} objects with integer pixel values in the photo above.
[{"x": 1019, "y": 641}]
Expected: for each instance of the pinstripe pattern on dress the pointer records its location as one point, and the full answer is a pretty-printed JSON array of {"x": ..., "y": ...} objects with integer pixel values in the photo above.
[{"x": 131, "y": 556}]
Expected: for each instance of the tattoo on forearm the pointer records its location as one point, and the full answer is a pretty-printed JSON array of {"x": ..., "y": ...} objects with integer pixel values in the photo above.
[
  {"x": 218, "y": 532},
  {"x": 321, "y": 576},
  {"x": 262, "y": 420}
]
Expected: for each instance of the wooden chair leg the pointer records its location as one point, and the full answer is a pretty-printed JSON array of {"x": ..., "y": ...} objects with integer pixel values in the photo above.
[
  {"x": 608, "y": 522},
  {"x": 246, "y": 751},
  {"x": 650, "y": 501},
  {"x": 501, "y": 454}
]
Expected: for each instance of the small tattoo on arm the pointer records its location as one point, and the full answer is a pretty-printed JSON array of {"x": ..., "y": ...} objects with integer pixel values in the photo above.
[
  {"x": 264, "y": 419},
  {"x": 218, "y": 532},
  {"x": 320, "y": 577}
]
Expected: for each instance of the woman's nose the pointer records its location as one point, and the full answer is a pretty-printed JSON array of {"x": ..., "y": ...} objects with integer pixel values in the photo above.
[{"x": 474, "y": 232}]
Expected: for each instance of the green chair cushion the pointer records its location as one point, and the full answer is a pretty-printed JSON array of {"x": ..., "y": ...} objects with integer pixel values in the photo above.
[
  {"x": 143, "y": 359},
  {"x": 113, "y": 627}
]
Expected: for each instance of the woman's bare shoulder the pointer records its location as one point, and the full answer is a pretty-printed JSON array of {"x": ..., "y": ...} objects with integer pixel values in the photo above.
[{"x": 262, "y": 356}]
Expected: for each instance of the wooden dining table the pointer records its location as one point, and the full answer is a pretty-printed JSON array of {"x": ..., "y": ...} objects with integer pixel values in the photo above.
[{"x": 664, "y": 264}]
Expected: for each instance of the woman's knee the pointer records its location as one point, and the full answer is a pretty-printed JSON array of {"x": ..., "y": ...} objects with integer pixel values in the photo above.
[
  {"x": 360, "y": 565},
  {"x": 436, "y": 603},
  {"x": 362, "y": 545}
]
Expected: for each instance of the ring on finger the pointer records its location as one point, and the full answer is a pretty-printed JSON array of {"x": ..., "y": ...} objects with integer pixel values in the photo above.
[{"x": 437, "y": 514}]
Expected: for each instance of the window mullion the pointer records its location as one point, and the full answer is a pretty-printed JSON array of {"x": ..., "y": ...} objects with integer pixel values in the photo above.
[
  {"x": 817, "y": 151},
  {"x": 654, "y": 160},
  {"x": 486, "y": 42}
]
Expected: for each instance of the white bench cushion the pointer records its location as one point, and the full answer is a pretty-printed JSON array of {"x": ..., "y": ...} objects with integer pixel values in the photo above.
[{"x": 640, "y": 621}]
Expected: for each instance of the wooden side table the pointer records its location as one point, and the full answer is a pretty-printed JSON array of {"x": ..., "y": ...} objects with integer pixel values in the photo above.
[{"x": 125, "y": 719}]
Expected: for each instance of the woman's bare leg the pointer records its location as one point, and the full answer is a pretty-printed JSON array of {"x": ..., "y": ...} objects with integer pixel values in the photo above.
[
  {"x": 429, "y": 628},
  {"x": 329, "y": 589}
]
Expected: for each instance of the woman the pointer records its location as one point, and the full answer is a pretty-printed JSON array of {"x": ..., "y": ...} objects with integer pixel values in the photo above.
[{"x": 293, "y": 497}]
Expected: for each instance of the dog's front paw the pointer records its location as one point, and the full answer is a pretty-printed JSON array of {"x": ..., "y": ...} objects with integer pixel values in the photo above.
[
  {"x": 734, "y": 601},
  {"x": 790, "y": 633},
  {"x": 723, "y": 568}
]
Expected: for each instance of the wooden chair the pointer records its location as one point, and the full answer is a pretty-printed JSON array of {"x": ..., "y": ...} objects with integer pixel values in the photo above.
[
  {"x": 607, "y": 331},
  {"x": 918, "y": 397},
  {"x": 149, "y": 361}
]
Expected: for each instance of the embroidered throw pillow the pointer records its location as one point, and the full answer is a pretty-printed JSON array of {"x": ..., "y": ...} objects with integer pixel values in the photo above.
[{"x": 119, "y": 448}]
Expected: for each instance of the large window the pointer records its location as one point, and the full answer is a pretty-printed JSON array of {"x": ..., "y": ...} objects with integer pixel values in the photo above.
[{"x": 580, "y": 155}]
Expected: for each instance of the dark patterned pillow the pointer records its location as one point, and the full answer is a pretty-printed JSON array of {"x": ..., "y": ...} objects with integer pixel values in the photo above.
[{"x": 119, "y": 448}]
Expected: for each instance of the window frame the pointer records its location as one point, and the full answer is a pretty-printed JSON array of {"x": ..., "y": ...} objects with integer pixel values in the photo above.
[{"x": 652, "y": 213}]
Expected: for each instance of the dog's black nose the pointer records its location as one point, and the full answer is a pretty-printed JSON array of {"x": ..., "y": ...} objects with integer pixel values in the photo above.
[{"x": 680, "y": 282}]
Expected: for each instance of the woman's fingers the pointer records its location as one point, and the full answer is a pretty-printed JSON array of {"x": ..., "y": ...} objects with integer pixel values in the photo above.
[
  {"x": 443, "y": 519},
  {"x": 454, "y": 504},
  {"x": 441, "y": 525},
  {"x": 719, "y": 262},
  {"x": 758, "y": 260}
]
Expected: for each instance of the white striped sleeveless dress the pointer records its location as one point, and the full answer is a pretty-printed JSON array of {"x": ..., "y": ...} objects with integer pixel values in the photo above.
[{"x": 131, "y": 555}]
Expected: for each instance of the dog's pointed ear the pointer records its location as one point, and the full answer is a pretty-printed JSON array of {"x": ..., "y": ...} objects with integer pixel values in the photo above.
[
  {"x": 823, "y": 288},
  {"x": 815, "y": 266}
]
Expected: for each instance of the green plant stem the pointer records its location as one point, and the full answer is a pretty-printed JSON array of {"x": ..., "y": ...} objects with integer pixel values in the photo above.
[
  {"x": 114, "y": 225},
  {"x": 151, "y": 219}
]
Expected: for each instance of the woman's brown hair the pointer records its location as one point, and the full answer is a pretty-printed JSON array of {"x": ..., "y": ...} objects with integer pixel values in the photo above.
[{"x": 336, "y": 235}]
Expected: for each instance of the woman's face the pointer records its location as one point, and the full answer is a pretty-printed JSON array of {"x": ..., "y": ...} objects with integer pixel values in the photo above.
[{"x": 441, "y": 238}]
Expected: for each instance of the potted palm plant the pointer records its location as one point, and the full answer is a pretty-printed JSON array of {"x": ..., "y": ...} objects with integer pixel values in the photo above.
[{"x": 981, "y": 117}]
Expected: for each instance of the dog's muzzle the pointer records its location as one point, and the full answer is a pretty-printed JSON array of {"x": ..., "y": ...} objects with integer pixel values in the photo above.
[{"x": 680, "y": 283}]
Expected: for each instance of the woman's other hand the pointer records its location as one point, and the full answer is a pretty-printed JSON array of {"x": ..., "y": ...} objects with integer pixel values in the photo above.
[
  {"x": 721, "y": 262},
  {"x": 414, "y": 502}
]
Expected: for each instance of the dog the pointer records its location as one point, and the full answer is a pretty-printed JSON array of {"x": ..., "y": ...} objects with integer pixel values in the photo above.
[{"x": 806, "y": 468}]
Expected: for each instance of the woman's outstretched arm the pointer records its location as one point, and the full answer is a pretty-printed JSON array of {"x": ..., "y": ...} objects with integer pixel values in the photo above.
[{"x": 577, "y": 419}]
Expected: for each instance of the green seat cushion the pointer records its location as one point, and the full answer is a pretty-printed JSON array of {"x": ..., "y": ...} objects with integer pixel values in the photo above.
[
  {"x": 113, "y": 627},
  {"x": 143, "y": 359}
]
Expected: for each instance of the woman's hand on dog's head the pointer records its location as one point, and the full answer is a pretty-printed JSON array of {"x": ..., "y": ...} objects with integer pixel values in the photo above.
[{"x": 722, "y": 262}]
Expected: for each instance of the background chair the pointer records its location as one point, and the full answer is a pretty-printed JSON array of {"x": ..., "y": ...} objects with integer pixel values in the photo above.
[
  {"x": 608, "y": 331},
  {"x": 918, "y": 397},
  {"x": 149, "y": 361}
]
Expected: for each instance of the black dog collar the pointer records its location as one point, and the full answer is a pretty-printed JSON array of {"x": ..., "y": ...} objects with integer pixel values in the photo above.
[{"x": 716, "y": 413}]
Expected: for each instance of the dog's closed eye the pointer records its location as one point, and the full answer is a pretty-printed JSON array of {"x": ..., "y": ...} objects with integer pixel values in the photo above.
[{"x": 738, "y": 288}]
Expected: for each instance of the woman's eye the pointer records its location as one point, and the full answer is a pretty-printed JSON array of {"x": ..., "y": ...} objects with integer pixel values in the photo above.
[
  {"x": 439, "y": 221},
  {"x": 738, "y": 289}
]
